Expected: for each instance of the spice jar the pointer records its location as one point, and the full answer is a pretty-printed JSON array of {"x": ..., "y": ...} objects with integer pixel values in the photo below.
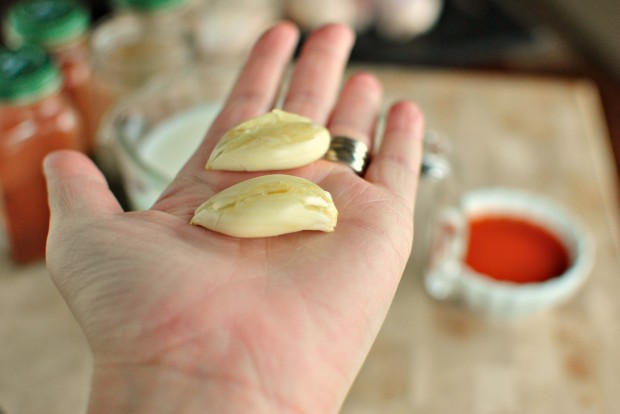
[
  {"x": 62, "y": 28},
  {"x": 36, "y": 118}
]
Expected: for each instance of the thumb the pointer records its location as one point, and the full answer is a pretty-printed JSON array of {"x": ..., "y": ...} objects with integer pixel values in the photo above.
[{"x": 76, "y": 187}]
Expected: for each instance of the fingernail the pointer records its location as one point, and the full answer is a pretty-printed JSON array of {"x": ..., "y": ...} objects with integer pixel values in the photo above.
[{"x": 48, "y": 163}]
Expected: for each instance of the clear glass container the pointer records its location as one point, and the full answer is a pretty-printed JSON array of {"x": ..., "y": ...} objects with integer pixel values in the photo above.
[
  {"x": 437, "y": 188},
  {"x": 218, "y": 29},
  {"x": 128, "y": 52},
  {"x": 157, "y": 128}
]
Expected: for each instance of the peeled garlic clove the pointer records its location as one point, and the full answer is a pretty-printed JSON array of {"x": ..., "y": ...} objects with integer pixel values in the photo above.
[
  {"x": 269, "y": 205},
  {"x": 276, "y": 140}
]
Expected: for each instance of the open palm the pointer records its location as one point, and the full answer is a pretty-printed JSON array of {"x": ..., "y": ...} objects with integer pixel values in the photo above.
[{"x": 277, "y": 324}]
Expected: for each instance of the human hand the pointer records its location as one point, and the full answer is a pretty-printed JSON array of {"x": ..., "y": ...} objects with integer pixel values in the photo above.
[{"x": 181, "y": 319}]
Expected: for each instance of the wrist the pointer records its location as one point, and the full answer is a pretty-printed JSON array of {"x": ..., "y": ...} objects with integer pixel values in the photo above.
[
  {"x": 153, "y": 390},
  {"x": 136, "y": 390}
]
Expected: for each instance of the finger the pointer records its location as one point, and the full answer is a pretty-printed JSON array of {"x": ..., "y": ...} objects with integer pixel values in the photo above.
[
  {"x": 255, "y": 89},
  {"x": 396, "y": 165},
  {"x": 76, "y": 187},
  {"x": 258, "y": 84},
  {"x": 355, "y": 113},
  {"x": 316, "y": 79}
]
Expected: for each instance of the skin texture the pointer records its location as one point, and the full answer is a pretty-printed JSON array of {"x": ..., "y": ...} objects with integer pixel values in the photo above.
[{"x": 184, "y": 320}]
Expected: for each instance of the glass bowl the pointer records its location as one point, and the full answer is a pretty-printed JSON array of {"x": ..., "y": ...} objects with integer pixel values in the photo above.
[{"x": 155, "y": 130}]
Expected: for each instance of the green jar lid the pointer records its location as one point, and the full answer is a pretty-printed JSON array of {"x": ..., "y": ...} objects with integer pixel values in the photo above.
[
  {"x": 150, "y": 5},
  {"x": 26, "y": 75},
  {"x": 47, "y": 22}
]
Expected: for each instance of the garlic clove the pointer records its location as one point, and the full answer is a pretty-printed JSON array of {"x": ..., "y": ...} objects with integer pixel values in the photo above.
[
  {"x": 269, "y": 205},
  {"x": 276, "y": 140}
]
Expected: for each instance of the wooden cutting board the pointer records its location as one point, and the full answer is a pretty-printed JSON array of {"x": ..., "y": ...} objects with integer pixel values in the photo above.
[{"x": 540, "y": 134}]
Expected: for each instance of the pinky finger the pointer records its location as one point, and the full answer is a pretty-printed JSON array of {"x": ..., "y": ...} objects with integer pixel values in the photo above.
[{"x": 396, "y": 165}]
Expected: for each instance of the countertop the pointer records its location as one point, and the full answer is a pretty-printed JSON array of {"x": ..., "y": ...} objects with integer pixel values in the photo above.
[{"x": 544, "y": 135}]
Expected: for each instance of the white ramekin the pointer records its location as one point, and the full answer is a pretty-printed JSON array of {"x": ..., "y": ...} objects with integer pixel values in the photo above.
[{"x": 450, "y": 279}]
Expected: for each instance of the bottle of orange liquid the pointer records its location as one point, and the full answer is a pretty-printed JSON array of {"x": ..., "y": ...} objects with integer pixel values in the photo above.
[
  {"x": 36, "y": 118},
  {"x": 62, "y": 28}
]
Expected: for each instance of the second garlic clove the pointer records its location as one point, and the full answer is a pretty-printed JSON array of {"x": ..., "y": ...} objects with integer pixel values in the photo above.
[{"x": 266, "y": 206}]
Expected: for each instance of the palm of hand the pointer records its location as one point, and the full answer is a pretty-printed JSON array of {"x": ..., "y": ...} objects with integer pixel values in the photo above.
[
  {"x": 185, "y": 297},
  {"x": 287, "y": 318}
]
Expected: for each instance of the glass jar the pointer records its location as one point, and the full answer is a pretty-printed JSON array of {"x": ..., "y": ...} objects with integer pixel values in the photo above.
[
  {"x": 437, "y": 188},
  {"x": 62, "y": 28},
  {"x": 217, "y": 29},
  {"x": 183, "y": 15},
  {"x": 163, "y": 11},
  {"x": 36, "y": 118},
  {"x": 128, "y": 52},
  {"x": 157, "y": 128},
  {"x": 227, "y": 29}
]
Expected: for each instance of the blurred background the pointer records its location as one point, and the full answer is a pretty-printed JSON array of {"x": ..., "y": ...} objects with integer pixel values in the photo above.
[
  {"x": 123, "y": 44},
  {"x": 141, "y": 132},
  {"x": 568, "y": 38}
]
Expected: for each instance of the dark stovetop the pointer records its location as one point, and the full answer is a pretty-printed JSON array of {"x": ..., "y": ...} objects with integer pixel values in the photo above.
[{"x": 462, "y": 36}]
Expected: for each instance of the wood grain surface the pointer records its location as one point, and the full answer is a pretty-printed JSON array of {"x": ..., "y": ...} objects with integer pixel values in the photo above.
[{"x": 540, "y": 134}]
